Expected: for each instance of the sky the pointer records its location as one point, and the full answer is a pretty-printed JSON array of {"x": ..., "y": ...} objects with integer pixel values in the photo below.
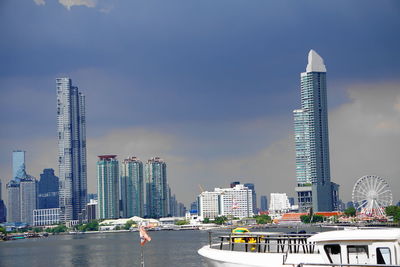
[{"x": 209, "y": 86}]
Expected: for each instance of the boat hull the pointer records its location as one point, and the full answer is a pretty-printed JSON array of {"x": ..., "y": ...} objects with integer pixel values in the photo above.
[{"x": 225, "y": 258}]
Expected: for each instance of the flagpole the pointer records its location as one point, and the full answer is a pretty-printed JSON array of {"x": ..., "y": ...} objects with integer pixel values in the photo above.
[{"x": 141, "y": 256}]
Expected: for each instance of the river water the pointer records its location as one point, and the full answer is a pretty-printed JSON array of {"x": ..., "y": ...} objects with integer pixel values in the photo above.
[{"x": 167, "y": 248}]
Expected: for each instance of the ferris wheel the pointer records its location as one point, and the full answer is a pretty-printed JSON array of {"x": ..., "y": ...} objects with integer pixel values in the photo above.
[{"x": 371, "y": 194}]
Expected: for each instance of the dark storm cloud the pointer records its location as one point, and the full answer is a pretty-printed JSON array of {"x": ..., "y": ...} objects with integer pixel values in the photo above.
[{"x": 215, "y": 73}]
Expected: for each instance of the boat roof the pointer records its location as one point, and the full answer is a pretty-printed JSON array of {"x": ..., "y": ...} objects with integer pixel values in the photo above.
[{"x": 359, "y": 234}]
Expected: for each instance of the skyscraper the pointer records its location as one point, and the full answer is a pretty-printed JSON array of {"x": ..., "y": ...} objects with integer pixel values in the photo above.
[
  {"x": 48, "y": 189},
  {"x": 314, "y": 187},
  {"x": 156, "y": 188},
  {"x": 254, "y": 196},
  {"x": 22, "y": 197},
  {"x": 18, "y": 165},
  {"x": 71, "y": 125},
  {"x": 28, "y": 198},
  {"x": 264, "y": 203},
  {"x": 131, "y": 188},
  {"x": 3, "y": 210},
  {"x": 108, "y": 187},
  {"x": 14, "y": 203}
]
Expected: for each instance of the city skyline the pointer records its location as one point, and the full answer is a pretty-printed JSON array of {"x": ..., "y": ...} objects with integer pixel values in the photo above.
[{"x": 209, "y": 87}]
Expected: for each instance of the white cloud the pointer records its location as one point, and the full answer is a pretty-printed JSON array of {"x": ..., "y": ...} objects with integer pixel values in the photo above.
[
  {"x": 39, "y": 2},
  {"x": 70, "y": 3}
]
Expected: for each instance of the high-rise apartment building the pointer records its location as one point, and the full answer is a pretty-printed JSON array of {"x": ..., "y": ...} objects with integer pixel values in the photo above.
[
  {"x": 71, "y": 126},
  {"x": 157, "y": 203},
  {"x": 48, "y": 189},
  {"x": 314, "y": 187},
  {"x": 18, "y": 165},
  {"x": 14, "y": 203},
  {"x": 131, "y": 188},
  {"x": 108, "y": 187}
]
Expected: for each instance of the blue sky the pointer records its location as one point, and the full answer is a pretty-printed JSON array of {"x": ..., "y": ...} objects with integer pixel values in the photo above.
[{"x": 208, "y": 85}]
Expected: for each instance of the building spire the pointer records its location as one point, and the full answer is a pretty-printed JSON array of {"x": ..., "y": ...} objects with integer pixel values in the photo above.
[{"x": 315, "y": 62}]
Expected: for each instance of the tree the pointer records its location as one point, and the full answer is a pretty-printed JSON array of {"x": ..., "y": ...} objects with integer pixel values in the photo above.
[
  {"x": 315, "y": 218},
  {"x": 128, "y": 224},
  {"x": 183, "y": 222},
  {"x": 350, "y": 212},
  {"x": 92, "y": 226},
  {"x": 305, "y": 218},
  {"x": 3, "y": 230},
  {"x": 262, "y": 219},
  {"x": 220, "y": 220},
  {"x": 206, "y": 220},
  {"x": 393, "y": 211}
]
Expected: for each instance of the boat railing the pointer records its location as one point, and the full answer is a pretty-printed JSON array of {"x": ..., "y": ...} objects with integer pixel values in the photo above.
[
  {"x": 264, "y": 243},
  {"x": 341, "y": 265}
]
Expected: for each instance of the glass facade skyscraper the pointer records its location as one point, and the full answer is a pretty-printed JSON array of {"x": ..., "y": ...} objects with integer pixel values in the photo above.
[
  {"x": 18, "y": 164},
  {"x": 108, "y": 187},
  {"x": 314, "y": 186},
  {"x": 48, "y": 189},
  {"x": 254, "y": 195},
  {"x": 131, "y": 188},
  {"x": 156, "y": 188},
  {"x": 71, "y": 126}
]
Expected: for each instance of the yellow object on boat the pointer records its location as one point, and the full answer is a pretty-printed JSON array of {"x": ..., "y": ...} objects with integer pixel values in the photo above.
[{"x": 241, "y": 230}]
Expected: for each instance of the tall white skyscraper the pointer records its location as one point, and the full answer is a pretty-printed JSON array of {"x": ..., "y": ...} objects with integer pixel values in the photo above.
[
  {"x": 71, "y": 125},
  {"x": 314, "y": 188}
]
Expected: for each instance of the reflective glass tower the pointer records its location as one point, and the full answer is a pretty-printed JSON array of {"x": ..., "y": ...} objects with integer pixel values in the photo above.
[
  {"x": 131, "y": 188},
  {"x": 314, "y": 187},
  {"x": 108, "y": 187},
  {"x": 71, "y": 126},
  {"x": 48, "y": 190},
  {"x": 156, "y": 188},
  {"x": 18, "y": 165}
]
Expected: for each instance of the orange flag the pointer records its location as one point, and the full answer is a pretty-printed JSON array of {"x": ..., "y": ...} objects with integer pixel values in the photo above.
[{"x": 144, "y": 237}]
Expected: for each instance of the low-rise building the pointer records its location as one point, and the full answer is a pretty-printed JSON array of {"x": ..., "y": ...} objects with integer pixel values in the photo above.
[
  {"x": 42, "y": 217},
  {"x": 230, "y": 202}
]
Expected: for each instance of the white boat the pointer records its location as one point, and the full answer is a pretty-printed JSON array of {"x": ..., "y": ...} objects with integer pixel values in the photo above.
[{"x": 361, "y": 247}]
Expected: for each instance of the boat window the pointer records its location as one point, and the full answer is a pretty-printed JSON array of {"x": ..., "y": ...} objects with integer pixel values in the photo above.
[
  {"x": 357, "y": 254},
  {"x": 333, "y": 253},
  {"x": 383, "y": 256}
]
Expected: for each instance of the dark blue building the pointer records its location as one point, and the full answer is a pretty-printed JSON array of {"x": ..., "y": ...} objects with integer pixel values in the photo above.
[{"x": 48, "y": 190}]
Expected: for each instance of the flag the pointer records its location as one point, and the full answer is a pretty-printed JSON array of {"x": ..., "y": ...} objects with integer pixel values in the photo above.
[
  {"x": 235, "y": 204},
  {"x": 144, "y": 237}
]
